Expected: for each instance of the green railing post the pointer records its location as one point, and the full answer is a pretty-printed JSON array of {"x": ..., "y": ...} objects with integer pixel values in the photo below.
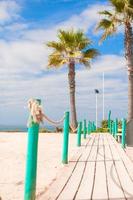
[
  {"x": 94, "y": 126},
  {"x": 79, "y": 134},
  {"x": 113, "y": 128},
  {"x": 31, "y": 162},
  {"x": 110, "y": 129},
  {"x": 109, "y": 117},
  {"x": 123, "y": 133},
  {"x": 89, "y": 128},
  {"x": 84, "y": 129},
  {"x": 116, "y": 128},
  {"x": 65, "y": 139}
]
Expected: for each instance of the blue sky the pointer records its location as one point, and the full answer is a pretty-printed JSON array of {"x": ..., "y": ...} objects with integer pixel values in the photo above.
[{"x": 25, "y": 27}]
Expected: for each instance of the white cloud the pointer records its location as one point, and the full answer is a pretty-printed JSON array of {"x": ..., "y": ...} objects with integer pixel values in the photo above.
[
  {"x": 28, "y": 56},
  {"x": 53, "y": 90},
  {"x": 21, "y": 56},
  {"x": 85, "y": 21},
  {"x": 8, "y": 11}
]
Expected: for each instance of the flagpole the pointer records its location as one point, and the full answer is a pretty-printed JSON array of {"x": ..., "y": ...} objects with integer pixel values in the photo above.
[
  {"x": 96, "y": 110},
  {"x": 103, "y": 98}
]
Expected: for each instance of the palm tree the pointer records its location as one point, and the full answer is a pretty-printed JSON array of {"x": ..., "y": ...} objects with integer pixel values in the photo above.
[
  {"x": 71, "y": 48},
  {"x": 121, "y": 14}
]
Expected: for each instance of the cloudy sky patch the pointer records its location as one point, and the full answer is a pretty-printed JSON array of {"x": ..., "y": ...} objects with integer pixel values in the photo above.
[{"x": 23, "y": 62}]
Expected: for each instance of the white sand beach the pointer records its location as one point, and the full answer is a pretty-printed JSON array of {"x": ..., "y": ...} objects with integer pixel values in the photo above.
[{"x": 13, "y": 158}]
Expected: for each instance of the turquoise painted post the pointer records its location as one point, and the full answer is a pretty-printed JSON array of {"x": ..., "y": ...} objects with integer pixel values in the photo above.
[
  {"x": 79, "y": 134},
  {"x": 123, "y": 133},
  {"x": 85, "y": 129},
  {"x": 116, "y": 128},
  {"x": 65, "y": 139},
  {"x": 113, "y": 128},
  {"x": 94, "y": 127},
  {"x": 31, "y": 162},
  {"x": 109, "y": 115},
  {"x": 91, "y": 127},
  {"x": 110, "y": 127},
  {"x": 89, "y": 131}
]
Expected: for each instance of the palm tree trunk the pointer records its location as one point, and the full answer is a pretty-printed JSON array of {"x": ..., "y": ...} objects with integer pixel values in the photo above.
[
  {"x": 129, "y": 58},
  {"x": 71, "y": 78}
]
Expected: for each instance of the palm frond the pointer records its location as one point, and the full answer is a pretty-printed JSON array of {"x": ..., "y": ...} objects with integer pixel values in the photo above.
[
  {"x": 109, "y": 27},
  {"x": 58, "y": 46},
  {"x": 105, "y": 12},
  {"x": 74, "y": 39},
  {"x": 129, "y": 11},
  {"x": 55, "y": 61},
  {"x": 81, "y": 41},
  {"x": 104, "y": 24},
  {"x": 118, "y": 5},
  {"x": 90, "y": 53},
  {"x": 85, "y": 62},
  {"x": 130, "y": 2},
  {"x": 71, "y": 45},
  {"x": 67, "y": 38}
]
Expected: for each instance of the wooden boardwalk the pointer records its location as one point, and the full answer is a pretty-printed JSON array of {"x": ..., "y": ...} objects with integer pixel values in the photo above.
[{"x": 99, "y": 171}]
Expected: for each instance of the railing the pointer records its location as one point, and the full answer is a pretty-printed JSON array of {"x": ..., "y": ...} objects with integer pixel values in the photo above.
[
  {"x": 113, "y": 126},
  {"x": 35, "y": 118}
]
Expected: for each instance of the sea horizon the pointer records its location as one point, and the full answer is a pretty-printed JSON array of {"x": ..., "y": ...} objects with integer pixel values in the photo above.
[{"x": 21, "y": 128}]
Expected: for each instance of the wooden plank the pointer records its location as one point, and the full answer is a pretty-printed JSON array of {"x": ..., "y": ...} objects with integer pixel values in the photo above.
[
  {"x": 72, "y": 186},
  {"x": 62, "y": 177},
  {"x": 113, "y": 148},
  {"x": 86, "y": 186},
  {"x": 113, "y": 184},
  {"x": 125, "y": 180},
  {"x": 100, "y": 187},
  {"x": 100, "y": 139},
  {"x": 81, "y": 149},
  {"x": 89, "y": 175},
  {"x": 85, "y": 189},
  {"x": 100, "y": 153},
  {"x": 100, "y": 192},
  {"x": 127, "y": 162},
  {"x": 108, "y": 156},
  {"x": 56, "y": 187},
  {"x": 114, "y": 188},
  {"x": 93, "y": 153},
  {"x": 87, "y": 150}
]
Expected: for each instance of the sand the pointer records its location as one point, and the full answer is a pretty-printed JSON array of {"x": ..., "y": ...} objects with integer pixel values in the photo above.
[{"x": 13, "y": 159}]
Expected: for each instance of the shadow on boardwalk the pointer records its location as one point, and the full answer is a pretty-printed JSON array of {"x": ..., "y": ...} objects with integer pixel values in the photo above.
[{"x": 99, "y": 171}]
